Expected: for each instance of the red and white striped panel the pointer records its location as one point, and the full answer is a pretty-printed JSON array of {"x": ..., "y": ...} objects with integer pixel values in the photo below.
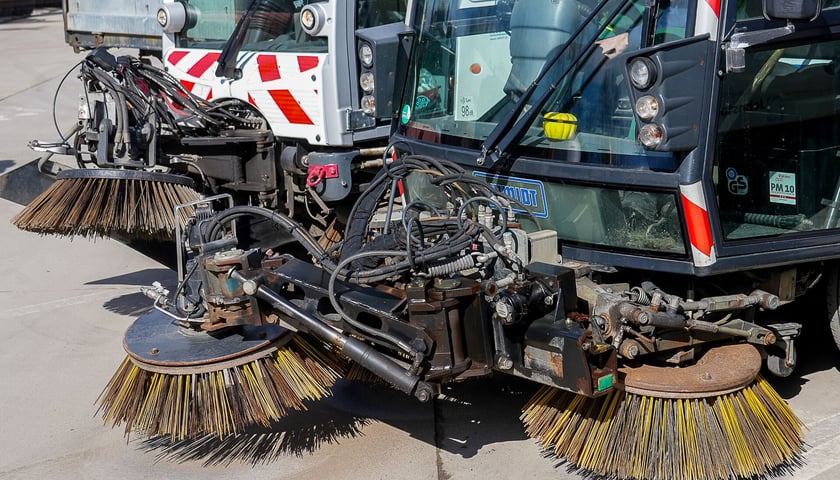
[
  {"x": 698, "y": 224},
  {"x": 196, "y": 70},
  {"x": 708, "y": 17},
  {"x": 288, "y": 89}
]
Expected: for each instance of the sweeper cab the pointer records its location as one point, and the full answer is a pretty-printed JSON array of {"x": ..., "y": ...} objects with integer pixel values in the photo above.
[{"x": 278, "y": 103}]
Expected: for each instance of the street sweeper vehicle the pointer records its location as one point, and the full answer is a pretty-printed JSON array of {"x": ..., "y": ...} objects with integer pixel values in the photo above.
[
  {"x": 277, "y": 103},
  {"x": 614, "y": 199}
]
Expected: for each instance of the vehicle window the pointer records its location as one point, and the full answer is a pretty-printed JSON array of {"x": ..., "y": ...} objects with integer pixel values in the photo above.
[
  {"x": 473, "y": 63},
  {"x": 373, "y": 13},
  {"x": 216, "y": 20},
  {"x": 274, "y": 26},
  {"x": 777, "y": 163}
]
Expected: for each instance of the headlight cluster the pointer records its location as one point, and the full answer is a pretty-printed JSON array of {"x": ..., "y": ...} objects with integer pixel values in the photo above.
[
  {"x": 643, "y": 75},
  {"x": 366, "y": 79}
]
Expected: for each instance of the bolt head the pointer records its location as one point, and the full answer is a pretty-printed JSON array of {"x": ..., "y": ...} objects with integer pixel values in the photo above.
[
  {"x": 250, "y": 287},
  {"x": 504, "y": 363}
]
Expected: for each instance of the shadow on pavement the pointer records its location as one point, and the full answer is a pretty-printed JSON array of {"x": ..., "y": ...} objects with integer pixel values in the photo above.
[
  {"x": 140, "y": 278},
  {"x": 298, "y": 434},
  {"x": 130, "y": 305},
  {"x": 5, "y": 165},
  {"x": 467, "y": 418},
  {"x": 22, "y": 184}
]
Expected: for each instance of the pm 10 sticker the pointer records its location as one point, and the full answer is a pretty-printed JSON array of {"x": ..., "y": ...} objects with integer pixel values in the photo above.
[{"x": 783, "y": 188}]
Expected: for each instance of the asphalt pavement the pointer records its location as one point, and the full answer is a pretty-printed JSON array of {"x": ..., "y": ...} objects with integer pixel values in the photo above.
[{"x": 64, "y": 306}]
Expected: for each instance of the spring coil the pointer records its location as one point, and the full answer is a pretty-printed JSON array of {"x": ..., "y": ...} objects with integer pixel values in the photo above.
[
  {"x": 452, "y": 266},
  {"x": 638, "y": 295}
]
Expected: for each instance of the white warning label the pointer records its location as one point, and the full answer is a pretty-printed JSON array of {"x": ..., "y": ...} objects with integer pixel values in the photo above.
[
  {"x": 466, "y": 108},
  {"x": 783, "y": 188}
]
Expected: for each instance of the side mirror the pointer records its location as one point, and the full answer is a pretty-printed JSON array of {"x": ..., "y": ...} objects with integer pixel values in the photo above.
[{"x": 807, "y": 10}]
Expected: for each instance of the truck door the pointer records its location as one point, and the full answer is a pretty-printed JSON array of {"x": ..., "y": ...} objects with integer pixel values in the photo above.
[{"x": 777, "y": 159}]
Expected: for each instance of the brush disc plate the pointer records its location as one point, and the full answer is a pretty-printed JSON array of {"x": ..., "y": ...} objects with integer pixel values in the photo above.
[
  {"x": 120, "y": 174},
  {"x": 721, "y": 370},
  {"x": 156, "y": 342}
]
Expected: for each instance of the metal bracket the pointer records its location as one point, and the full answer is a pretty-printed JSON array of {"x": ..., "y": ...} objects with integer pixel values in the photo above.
[{"x": 735, "y": 48}]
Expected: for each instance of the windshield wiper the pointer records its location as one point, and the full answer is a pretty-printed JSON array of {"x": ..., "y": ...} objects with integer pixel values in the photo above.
[
  {"x": 227, "y": 60},
  {"x": 512, "y": 127}
]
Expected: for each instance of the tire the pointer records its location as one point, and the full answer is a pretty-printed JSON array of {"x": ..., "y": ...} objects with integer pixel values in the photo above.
[{"x": 832, "y": 300}]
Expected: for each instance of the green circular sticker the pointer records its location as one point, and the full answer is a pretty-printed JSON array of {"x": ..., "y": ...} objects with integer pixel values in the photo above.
[{"x": 406, "y": 114}]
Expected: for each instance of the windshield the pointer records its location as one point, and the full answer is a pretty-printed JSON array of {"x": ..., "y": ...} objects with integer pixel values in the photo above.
[
  {"x": 272, "y": 25},
  {"x": 475, "y": 59},
  {"x": 216, "y": 20},
  {"x": 471, "y": 73}
]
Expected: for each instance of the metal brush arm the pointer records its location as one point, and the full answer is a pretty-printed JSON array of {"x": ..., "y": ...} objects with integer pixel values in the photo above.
[{"x": 360, "y": 352}]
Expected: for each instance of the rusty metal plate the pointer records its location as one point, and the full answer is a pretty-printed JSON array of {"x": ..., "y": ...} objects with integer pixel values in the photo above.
[
  {"x": 721, "y": 370},
  {"x": 157, "y": 340}
]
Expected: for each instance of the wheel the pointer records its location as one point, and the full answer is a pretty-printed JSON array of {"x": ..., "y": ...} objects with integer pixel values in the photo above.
[{"x": 832, "y": 299}]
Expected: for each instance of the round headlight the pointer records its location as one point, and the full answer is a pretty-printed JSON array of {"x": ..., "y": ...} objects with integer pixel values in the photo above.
[
  {"x": 366, "y": 55},
  {"x": 642, "y": 72},
  {"x": 162, "y": 17},
  {"x": 366, "y": 82},
  {"x": 172, "y": 17},
  {"x": 647, "y": 107},
  {"x": 307, "y": 19},
  {"x": 369, "y": 104},
  {"x": 312, "y": 18},
  {"x": 651, "y": 135}
]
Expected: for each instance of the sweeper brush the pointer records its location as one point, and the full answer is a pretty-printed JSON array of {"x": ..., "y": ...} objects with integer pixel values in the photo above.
[
  {"x": 108, "y": 202},
  {"x": 713, "y": 420},
  {"x": 186, "y": 384}
]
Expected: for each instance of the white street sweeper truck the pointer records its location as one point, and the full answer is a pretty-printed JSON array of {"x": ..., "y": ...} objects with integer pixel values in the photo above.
[{"x": 277, "y": 103}]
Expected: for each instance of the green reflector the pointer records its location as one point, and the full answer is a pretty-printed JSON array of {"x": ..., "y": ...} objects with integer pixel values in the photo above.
[{"x": 606, "y": 382}]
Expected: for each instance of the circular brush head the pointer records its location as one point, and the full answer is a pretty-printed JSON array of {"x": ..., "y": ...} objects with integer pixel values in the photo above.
[
  {"x": 686, "y": 433},
  {"x": 184, "y": 384},
  {"x": 108, "y": 202}
]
